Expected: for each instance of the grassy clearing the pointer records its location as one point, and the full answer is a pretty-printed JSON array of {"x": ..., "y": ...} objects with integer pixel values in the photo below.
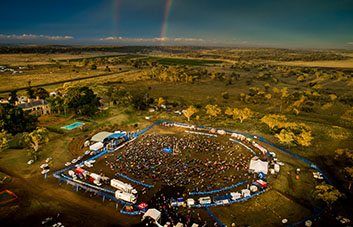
[
  {"x": 325, "y": 64},
  {"x": 183, "y": 61}
]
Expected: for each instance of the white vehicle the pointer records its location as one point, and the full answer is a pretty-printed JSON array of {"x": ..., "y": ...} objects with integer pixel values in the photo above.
[
  {"x": 43, "y": 165},
  {"x": 67, "y": 163},
  {"x": 88, "y": 164},
  {"x": 235, "y": 195},
  {"x": 122, "y": 186},
  {"x": 96, "y": 177},
  {"x": 79, "y": 158},
  {"x": 48, "y": 159},
  {"x": 87, "y": 152},
  {"x": 190, "y": 202},
  {"x": 205, "y": 200},
  {"x": 48, "y": 219},
  {"x": 45, "y": 171},
  {"x": 98, "y": 183},
  {"x": 318, "y": 175},
  {"x": 225, "y": 201},
  {"x": 71, "y": 173},
  {"x": 125, "y": 196},
  {"x": 74, "y": 160},
  {"x": 30, "y": 162}
]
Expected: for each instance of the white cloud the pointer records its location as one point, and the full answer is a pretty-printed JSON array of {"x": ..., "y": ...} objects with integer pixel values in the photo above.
[
  {"x": 34, "y": 37},
  {"x": 152, "y": 40}
]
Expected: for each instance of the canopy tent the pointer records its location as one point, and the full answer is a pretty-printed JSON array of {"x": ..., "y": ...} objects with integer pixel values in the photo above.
[
  {"x": 258, "y": 166},
  {"x": 142, "y": 205},
  {"x": 101, "y": 136},
  {"x": 168, "y": 150},
  {"x": 116, "y": 135},
  {"x": 153, "y": 213},
  {"x": 96, "y": 146}
]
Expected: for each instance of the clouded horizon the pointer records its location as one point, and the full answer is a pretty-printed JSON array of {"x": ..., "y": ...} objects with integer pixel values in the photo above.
[{"x": 271, "y": 23}]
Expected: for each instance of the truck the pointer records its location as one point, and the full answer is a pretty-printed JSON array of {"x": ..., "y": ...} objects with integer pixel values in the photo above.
[
  {"x": 205, "y": 200},
  {"x": 95, "y": 178},
  {"x": 122, "y": 186},
  {"x": 127, "y": 197}
]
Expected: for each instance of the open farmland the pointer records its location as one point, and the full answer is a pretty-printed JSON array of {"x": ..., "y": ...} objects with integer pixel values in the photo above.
[{"x": 141, "y": 88}]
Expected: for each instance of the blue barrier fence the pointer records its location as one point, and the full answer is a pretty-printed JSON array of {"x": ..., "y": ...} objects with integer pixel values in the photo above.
[
  {"x": 215, "y": 191},
  {"x": 135, "y": 181},
  {"x": 214, "y": 218},
  {"x": 243, "y": 145},
  {"x": 146, "y": 129},
  {"x": 201, "y": 133}
]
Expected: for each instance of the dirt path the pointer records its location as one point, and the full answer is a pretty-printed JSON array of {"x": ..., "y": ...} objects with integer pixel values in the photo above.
[{"x": 39, "y": 198}]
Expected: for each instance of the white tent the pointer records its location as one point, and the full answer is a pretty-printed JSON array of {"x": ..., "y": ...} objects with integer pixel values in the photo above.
[
  {"x": 96, "y": 146},
  {"x": 258, "y": 166},
  {"x": 101, "y": 136},
  {"x": 152, "y": 213}
]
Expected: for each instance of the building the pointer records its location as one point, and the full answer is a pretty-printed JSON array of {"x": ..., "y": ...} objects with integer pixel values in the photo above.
[{"x": 37, "y": 106}]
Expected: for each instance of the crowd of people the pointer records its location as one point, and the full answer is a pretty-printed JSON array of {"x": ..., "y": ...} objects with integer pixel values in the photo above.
[{"x": 197, "y": 162}]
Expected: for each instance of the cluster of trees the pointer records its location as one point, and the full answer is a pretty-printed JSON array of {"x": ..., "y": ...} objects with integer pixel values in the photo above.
[
  {"x": 174, "y": 73},
  {"x": 346, "y": 156},
  {"x": 255, "y": 96},
  {"x": 240, "y": 114},
  {"x": 327, "y": 193},
  {"x": 288, "y": 133},
  {"x": 81, "y": 100},
  {"x": 34, "y": 140},
  {"x": 14, "y": 120}
]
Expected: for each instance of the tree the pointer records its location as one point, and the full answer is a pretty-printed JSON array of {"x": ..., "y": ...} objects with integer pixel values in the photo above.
[
  {"x": 82, "y": 100},
  {"x": 273, "y": 120},
  {"x": 225, "y": 95},
  {"x": 4, "y": 140},
  {"x": 242, "y": 114},
  {"x": 347, "y": 156},
  {"x": 189, "y": 112},
  {"x": 327, "y": 193},
  {"x": 349, "y": 174},
  {"x": 160, "y": 101},
  {"x": 348, "y": 115},
  {"x": 213, "y": 110},
  {"x": 30, "y": 92},
  {"x": 13, "y": 97},
  {"x": 14, "y": 120},
  {"x": 33, "y": 141},
  {"x": 286, "y": 137},
  {"x": 41, "y": 93},
  {"x": 229, "y": 112},
  {"x": 304, "y": 138}
]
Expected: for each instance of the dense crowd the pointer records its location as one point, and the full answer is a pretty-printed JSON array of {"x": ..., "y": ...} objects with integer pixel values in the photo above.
[{"x": 217, "y": 165}]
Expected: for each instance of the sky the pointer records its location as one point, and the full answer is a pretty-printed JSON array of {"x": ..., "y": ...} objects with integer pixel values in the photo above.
[{"x": 264, "y": 23}]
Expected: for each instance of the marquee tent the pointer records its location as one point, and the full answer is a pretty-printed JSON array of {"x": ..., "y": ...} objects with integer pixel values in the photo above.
[
  {"x": 153, "y": 213},
  {"x": 96, "y": 146},
  {"x": 258, "y": 166}
]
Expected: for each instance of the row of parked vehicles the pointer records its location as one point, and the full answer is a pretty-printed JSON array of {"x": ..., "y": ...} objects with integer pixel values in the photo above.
[
  {"x": 124, "y": 190},
  {"x": 259, "y": 184}
]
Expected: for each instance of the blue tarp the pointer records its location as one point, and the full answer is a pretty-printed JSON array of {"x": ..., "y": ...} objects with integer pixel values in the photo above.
[
  {"x": 116, "y": 135},
  {"x": 219, "y": 198},
  {"x": 168, "y": 150}
]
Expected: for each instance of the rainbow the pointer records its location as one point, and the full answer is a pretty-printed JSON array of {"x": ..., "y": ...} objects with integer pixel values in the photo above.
[
  {"x": 115, "y": 16},
  {"x": 168, "y": 6}
]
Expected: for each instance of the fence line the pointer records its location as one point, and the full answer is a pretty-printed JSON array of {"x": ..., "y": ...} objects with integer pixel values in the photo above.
[
  {"x": 215, "y": 191},
  {"x": 243, "y": 145}
]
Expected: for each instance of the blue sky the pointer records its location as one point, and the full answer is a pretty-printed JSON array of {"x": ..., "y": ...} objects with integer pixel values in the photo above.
[{"x": 270, "y": 23}]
